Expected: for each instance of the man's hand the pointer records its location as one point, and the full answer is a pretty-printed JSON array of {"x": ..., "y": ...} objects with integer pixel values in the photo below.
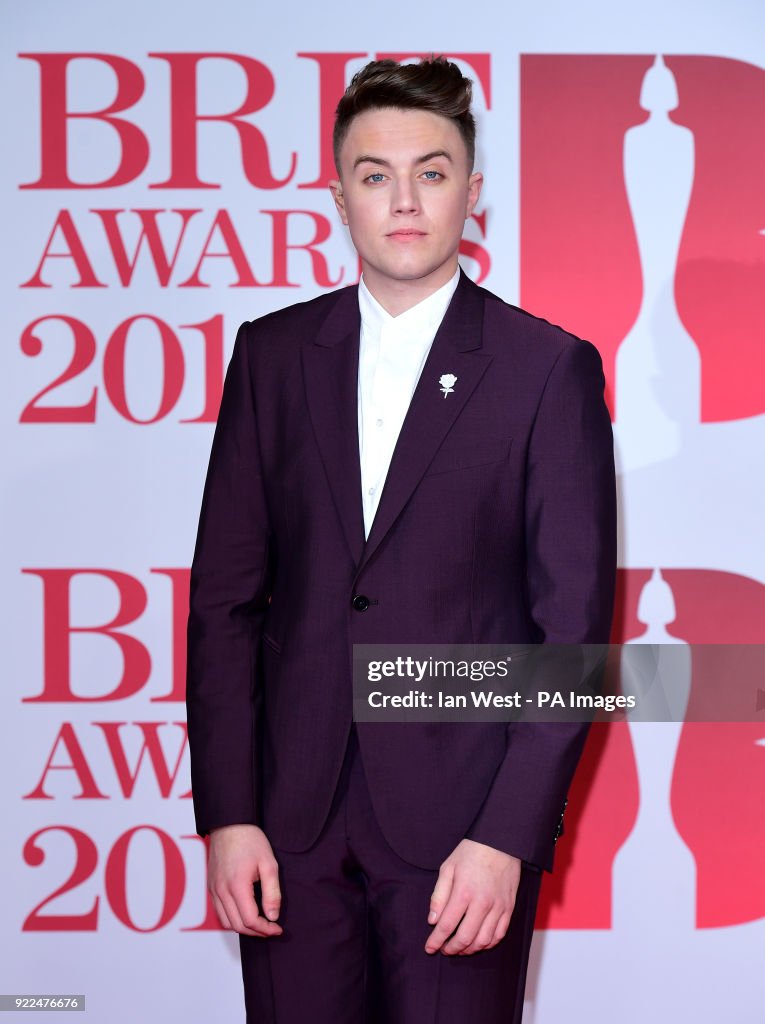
[
  {"x": 477, "y": 886},
  {"x": 239, "y": 856}
]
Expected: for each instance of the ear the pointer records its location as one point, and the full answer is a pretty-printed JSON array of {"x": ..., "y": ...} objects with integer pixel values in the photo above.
[
  {"x": 474, "y": 191},
  {"x": 336, "y": 188}
]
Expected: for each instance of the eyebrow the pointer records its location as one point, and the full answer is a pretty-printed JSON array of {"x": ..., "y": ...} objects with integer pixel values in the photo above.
[{"x": 378, "y": 160}]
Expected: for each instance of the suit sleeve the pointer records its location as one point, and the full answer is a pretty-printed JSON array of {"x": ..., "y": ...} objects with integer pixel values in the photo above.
[
  {"x": 229, "y": 593},
  {"x": 570, "y": 529}
]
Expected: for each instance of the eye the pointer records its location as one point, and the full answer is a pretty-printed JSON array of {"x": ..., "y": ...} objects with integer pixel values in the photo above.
[
  {"x": 375, "y": 178},
  {"x": 432, "y": 175}
]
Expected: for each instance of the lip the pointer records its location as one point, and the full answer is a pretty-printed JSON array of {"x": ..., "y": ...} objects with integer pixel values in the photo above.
[{"x": 406, "y": 234}]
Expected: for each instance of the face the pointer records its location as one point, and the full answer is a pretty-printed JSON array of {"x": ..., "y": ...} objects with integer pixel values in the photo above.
[{"x": 405, "y": 191}]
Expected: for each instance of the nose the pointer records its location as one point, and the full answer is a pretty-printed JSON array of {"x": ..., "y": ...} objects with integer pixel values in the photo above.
[{"x": 405, "y": 200}]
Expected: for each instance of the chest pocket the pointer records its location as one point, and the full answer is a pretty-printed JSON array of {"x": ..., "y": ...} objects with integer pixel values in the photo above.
[{"x": 468, "y": 453}]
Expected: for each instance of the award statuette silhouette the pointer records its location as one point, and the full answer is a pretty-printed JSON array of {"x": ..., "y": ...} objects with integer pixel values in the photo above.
[
  {"x": 658, "y": 367},
  {"x": 654, "y": 874}
]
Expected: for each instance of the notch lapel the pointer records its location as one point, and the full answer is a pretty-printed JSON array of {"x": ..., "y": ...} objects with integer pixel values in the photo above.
[
  {"x": 330, "y": 373},
  {"x": 456, "y": 349},
  {"x": 330, "y": 368}
]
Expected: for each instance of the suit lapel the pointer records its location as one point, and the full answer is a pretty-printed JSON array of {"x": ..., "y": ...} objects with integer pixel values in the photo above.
[
  {"x": 330, "y": 365},
  {"x": 456, "y": 349},
  {"x": 330, "y": 368}
]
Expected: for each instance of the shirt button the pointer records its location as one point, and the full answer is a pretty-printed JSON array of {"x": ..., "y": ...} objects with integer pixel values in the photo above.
[
  {"x": 371, "y": 490},
  {"x": 379, "y": 423}
]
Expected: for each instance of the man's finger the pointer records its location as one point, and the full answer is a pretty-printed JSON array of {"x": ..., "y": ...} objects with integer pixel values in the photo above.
[
  {"x": 248, "y": 913},
  {"x": 219, "y": 910},
  {"x": 441, "y": 892},
  {"x": 468, "y": 929},
  {"x": 448, "y": 920},
  {"x": 271, "y": 897},
  {"x": 501, "y": 930},
  {"x": 485, "y": 937},
  {"x": 232, "y": 913}
]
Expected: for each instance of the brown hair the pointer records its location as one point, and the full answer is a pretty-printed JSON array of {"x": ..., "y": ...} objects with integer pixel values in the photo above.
[{"x": 435, "y": 84}]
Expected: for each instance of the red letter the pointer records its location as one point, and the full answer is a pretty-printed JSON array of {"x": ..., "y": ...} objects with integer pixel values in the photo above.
[
  {"x": 331, "y": 88},
  {"x": 125, "y": 264},
  {"x": 151, "y": 744},
  {"x": 233, "y": 252},
  {"x": 173, "y": 368},
  {"x": 75, "y": 251},
  {"x": 58, "y": 629},
  {"x": 183, "y": 143},
  {"x": 54, "y": 116},
  {"x": 115, "y": 878},
  {"x": 281, "y": 247},
  {"x": 179, "y": 579},
  {"x": 77, "y": 763}
]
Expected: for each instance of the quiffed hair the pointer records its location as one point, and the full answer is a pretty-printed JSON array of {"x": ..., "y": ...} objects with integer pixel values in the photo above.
[{"x": 435, "y": 84}]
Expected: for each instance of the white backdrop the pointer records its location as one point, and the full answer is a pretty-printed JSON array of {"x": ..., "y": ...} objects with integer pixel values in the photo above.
[{"x": 640, "y": 230}]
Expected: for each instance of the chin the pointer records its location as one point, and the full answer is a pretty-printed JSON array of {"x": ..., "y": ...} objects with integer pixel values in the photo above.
[{"x": 405, "y": 271}]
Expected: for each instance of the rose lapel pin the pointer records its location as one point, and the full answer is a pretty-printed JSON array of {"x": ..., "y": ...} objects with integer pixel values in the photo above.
[{"x": 447, "y": 382}]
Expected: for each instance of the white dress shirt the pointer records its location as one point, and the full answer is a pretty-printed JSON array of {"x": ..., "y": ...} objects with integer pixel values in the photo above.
[{"x": 392, "y": 353}]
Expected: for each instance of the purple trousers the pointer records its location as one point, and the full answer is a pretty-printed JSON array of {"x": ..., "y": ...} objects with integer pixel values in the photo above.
[{"x": 355, "y": 923}]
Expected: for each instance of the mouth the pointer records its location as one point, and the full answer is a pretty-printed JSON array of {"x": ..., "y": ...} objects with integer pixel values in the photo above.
[{"x": 405, "y": 234}]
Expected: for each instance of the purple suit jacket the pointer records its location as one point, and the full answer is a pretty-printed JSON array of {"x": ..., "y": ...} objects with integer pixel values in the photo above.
[{"x": 497, "y": 524}]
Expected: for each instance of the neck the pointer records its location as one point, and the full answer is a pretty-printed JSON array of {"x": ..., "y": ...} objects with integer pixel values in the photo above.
[{"x": 397, "y": 297}]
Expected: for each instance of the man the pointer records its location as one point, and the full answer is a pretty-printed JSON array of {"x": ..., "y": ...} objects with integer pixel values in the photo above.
[{"x": 407, "y": 461}]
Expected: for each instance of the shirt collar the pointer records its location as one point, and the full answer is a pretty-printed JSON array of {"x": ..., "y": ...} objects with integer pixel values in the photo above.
[{"x": 422, "y": 319}]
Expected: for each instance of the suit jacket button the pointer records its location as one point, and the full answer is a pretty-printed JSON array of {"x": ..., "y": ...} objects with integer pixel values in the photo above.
[{"x": 360, "y": 603}]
